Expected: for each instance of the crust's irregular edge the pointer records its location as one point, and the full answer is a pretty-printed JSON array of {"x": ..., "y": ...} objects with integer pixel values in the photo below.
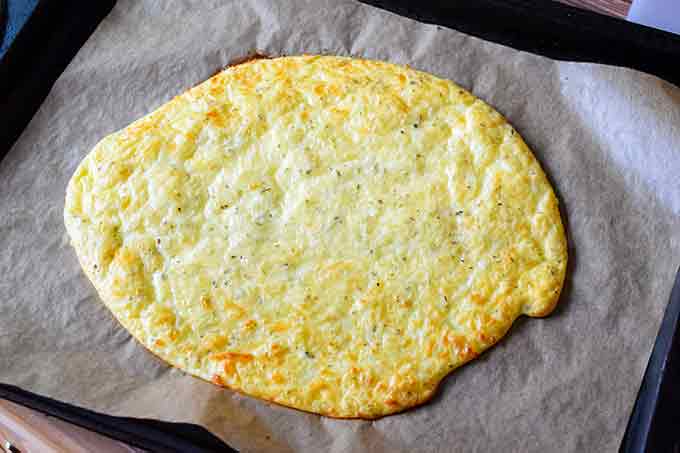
[
  {"x": 544, "y": 308},
  {"x": 540, "y": 308}
]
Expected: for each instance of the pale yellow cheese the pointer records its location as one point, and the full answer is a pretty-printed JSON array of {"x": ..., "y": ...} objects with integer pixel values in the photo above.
[{"x": 331, "y": 234}]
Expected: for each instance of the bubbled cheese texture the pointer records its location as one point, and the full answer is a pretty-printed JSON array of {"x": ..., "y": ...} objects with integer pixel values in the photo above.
[{"x": 332, "y": 234}]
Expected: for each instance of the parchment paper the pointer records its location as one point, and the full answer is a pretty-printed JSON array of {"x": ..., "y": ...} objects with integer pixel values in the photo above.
[{"x": 608, "y": 138}]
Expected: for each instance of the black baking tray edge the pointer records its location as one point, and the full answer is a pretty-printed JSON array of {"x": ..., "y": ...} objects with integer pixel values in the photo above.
[
  {"x": 552, "y": 29},
  {"x": 654, "y": 425},
  {"x": 42, "y": 49},
  {"x": 151, "y": 435},
  {"x": 58, "y": 28}
]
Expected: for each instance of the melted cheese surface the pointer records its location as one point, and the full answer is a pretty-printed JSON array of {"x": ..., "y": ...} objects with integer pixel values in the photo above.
[{"x": 331, "y": 234}]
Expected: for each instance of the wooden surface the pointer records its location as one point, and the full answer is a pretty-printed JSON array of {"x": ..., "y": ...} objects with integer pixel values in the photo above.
[
  {"x": 33, "y": 432},
  {"x": 617, "y": 8}
]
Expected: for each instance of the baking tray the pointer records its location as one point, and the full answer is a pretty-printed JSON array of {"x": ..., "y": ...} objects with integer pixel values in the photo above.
[{"x": 58, "y": 28}]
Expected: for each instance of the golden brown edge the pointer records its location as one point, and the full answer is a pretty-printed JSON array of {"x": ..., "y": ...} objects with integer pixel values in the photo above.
[
  {"x": 428, "y": 397},
  {"x": 249, "y": 58},
  {"x": 549, "y": 308}
]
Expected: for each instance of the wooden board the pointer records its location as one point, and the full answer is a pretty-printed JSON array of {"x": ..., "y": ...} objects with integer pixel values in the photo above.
[{"x": 616, "y": 8}]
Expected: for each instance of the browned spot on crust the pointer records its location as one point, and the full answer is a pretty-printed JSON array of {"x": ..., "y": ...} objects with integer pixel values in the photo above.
[
  {"x": 278, "y": 377},
  {"x": 277, "y": 350},
  {"x": 454, "y": 340},
  {"x": 215, "y": 117},
  {"x": 233, "y": 356},
  {"x": 279, "y": 327},
  {"x": 217, "y": 380},
  {"x": 487, "y": 338},
  {"x": 477, "y": 299},
  {"x": 251, "y": 324},
  {"x": 229, "y": 367},
  {"x": 206, "y": 303},
  {"x": 467, "y": 353},
  {"x": 429, "y": 347}
]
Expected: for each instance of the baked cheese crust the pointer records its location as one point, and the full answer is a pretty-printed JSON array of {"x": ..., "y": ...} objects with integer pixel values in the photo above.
[{"x": 331, "y": 234}]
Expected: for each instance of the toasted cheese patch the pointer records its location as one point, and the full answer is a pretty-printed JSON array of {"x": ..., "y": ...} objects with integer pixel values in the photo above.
[{"x": 332, "y": 234}]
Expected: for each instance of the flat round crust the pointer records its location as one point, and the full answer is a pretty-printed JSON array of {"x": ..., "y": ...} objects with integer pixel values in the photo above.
[{"x": 332, "y": 234}]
